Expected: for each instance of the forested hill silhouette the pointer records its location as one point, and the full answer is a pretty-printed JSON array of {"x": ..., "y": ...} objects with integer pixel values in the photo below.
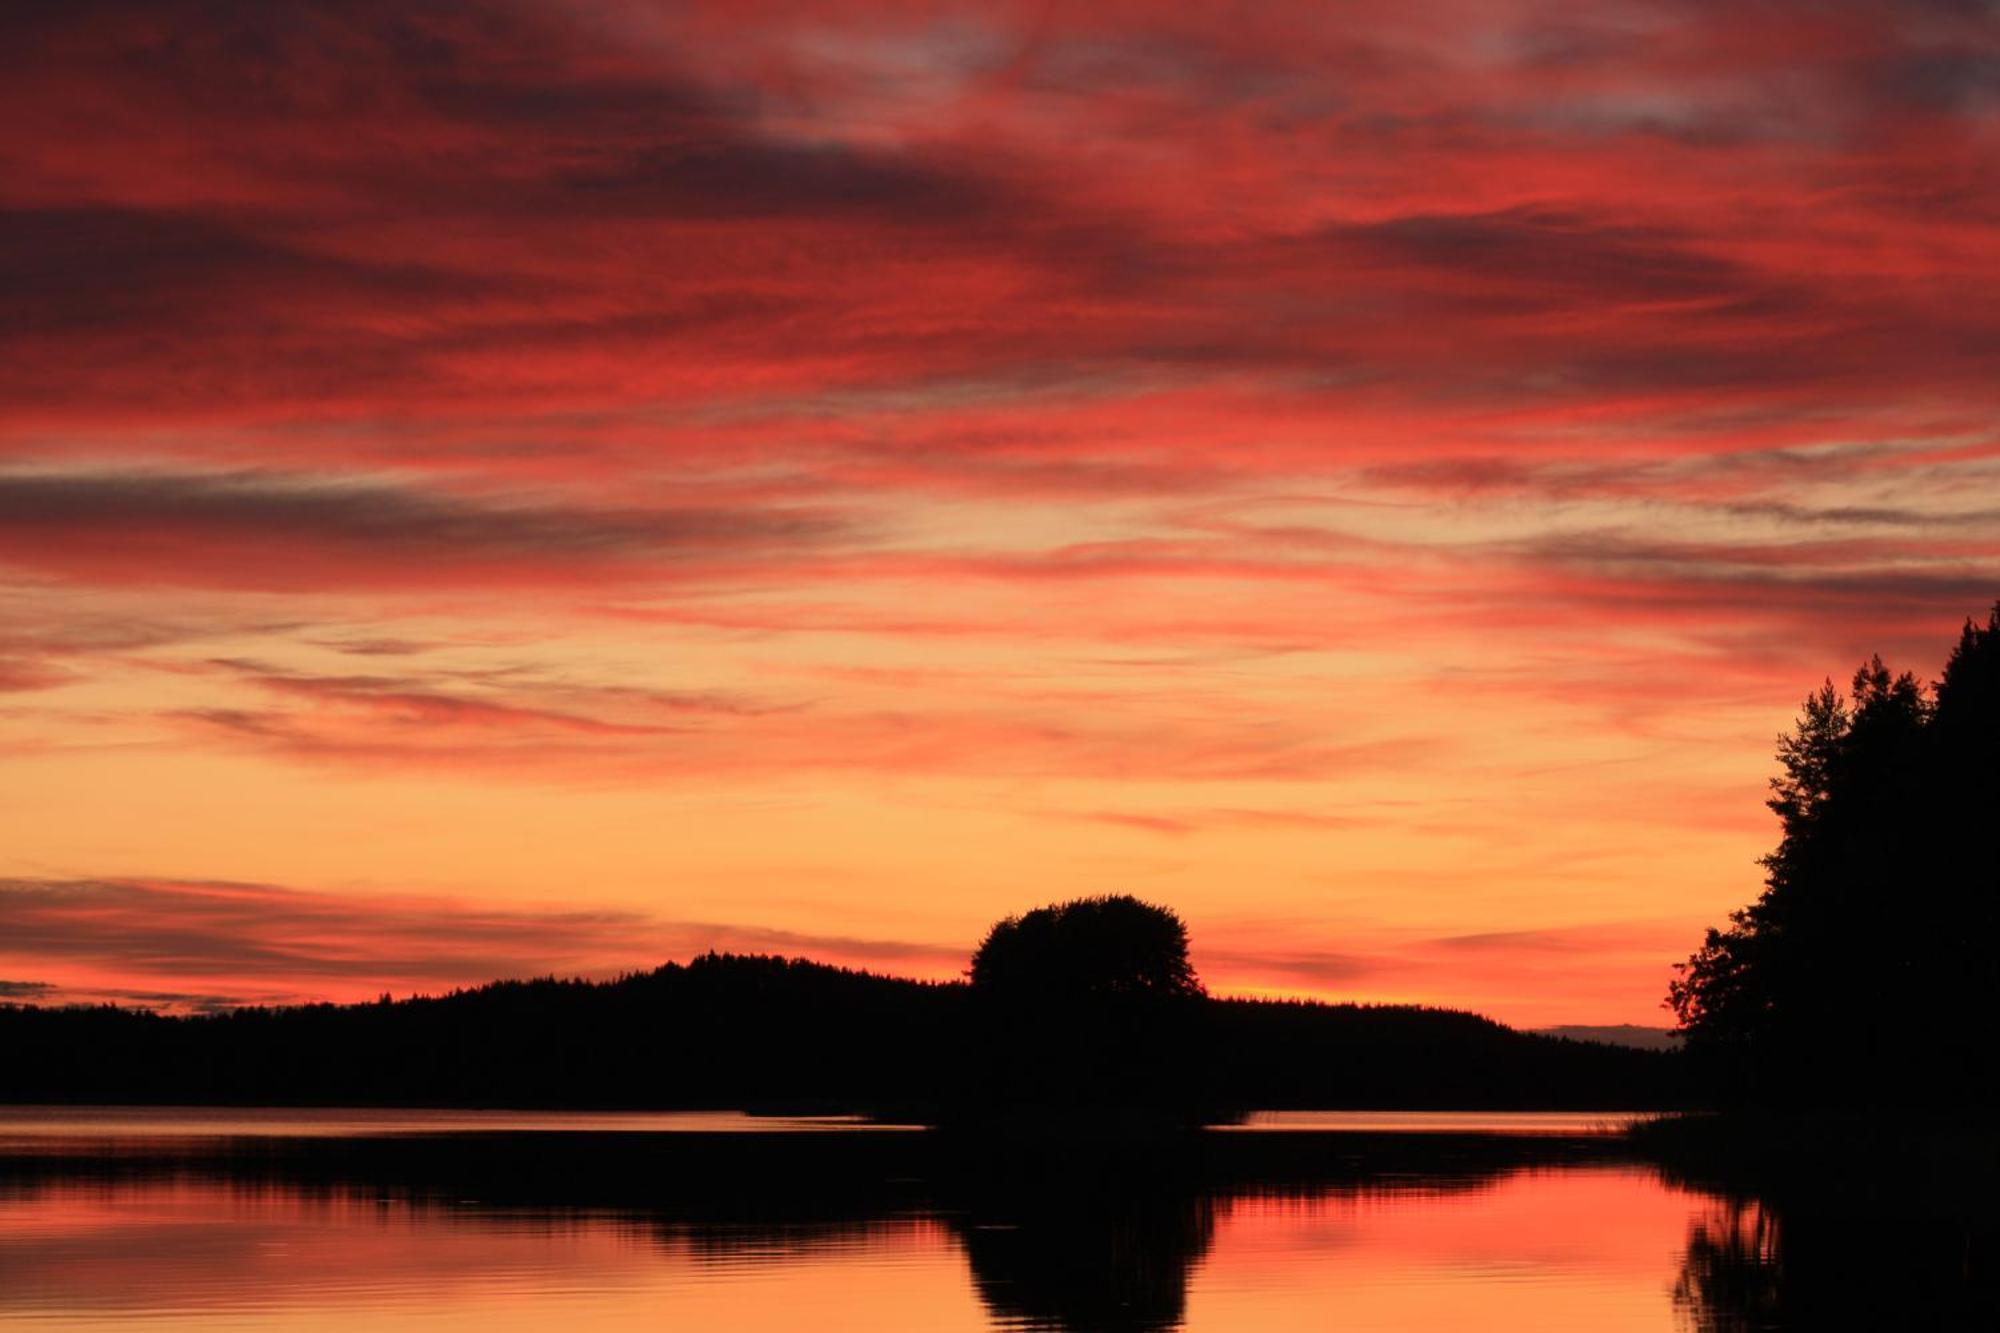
[
  {"x": 1867, "y": 972},
  {"x": 762, "y": 1032}
]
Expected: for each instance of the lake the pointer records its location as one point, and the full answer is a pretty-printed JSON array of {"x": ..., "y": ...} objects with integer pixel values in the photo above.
[{"x": 308, "y": 1220}]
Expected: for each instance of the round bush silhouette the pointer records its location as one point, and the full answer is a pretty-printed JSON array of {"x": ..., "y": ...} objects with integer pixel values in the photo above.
[
  {"x": 1090, "y": 1003},
  {"x": 1107, "y": 947}
]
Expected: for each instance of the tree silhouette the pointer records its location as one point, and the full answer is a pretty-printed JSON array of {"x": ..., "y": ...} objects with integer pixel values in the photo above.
[
  {"x": 1092, "y": 1003},
  {"x": 1090, "y": 948},
  {"x": 1865, "y": 968}
]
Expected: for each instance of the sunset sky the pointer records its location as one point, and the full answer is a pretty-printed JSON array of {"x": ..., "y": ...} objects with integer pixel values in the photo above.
[{"x": 507, "y": 488}]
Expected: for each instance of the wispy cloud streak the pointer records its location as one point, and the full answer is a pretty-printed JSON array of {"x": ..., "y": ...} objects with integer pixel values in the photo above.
[
  {"x": 245, "y": 943},
  {"x": 1174, "y": 437}
]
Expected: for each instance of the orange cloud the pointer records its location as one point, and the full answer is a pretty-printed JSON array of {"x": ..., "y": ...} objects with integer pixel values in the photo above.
[
  {"x": 1172, "y": 438},
  {"x": 195, "y": 944}
]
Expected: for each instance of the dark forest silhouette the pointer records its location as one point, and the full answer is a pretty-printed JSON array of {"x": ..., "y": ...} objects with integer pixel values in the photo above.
[
  {"x": 1866, "y": 973},
  {"x": 1084, "y": 1005}
]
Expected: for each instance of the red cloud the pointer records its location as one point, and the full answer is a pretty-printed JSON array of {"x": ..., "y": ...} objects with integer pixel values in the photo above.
[
  {"x": 372, "y": 725},
  {"x": 178, "y": 943},
  {"x": 1160, "y": 372},
  {"x": 295, "y": 533}
]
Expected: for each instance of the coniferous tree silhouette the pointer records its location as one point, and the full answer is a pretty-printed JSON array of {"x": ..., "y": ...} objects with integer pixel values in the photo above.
[{"x": 1865, "y": 971}]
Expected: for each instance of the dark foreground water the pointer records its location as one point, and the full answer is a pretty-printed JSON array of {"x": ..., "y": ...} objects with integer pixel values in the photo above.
[{"x": 321, "y": 1220}]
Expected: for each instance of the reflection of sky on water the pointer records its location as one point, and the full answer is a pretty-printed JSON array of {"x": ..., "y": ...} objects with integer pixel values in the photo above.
[
  {"x": 1564, "y": 1123},
  {"x": 1583, "y": 1247},
  {"x": 527, "y": 1225},
  {"x": 125, "y": 1122}
]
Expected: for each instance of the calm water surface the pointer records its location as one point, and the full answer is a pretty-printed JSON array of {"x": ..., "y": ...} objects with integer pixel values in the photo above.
[
  {"x": 156, "y": 1122},
  {"x": 337, "y": 1220},
  {"x": 1564, "y": 1124}
]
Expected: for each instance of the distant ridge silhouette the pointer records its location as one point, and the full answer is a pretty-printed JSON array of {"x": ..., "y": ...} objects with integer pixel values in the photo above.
[
  {"x": 765, "y": 1032},
  {"x": 1616, "y": 1034}
]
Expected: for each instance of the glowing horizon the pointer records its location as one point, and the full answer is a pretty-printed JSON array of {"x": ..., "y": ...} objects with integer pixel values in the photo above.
[{"x": 496, "y": 491}]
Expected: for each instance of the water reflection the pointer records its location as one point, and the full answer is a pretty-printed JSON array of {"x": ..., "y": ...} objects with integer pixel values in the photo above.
[
  {"x": 1840, "y": 1250},
  {"x": 1257, "y": 1232},
  {"x": 1098, "y": 1240},
  {"x": 1728, "y": 1280},
  {"x": 1555, "y": 1124},
  {"x": 21, "y": 1124}
]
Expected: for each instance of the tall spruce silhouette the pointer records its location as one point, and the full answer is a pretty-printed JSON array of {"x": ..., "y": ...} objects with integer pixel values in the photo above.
[{"x": 1866, "y": 970}]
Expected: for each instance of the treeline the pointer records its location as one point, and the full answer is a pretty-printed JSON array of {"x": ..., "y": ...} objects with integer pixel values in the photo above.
[
  {"x": 759, "y": 1032},
  {"x": 1867, "y": 973}
]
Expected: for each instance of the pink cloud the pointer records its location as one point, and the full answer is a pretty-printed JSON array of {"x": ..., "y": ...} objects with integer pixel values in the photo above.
[
  {"x": 1090, "y": 392},
  {"x": 189, "y": 944}
]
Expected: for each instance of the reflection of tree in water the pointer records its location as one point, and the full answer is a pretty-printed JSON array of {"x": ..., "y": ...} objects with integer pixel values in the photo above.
[
  {"x": 1727, "y": 1282},
  {"x": 1839, "y": 1254},
  {"x": 1094, "y": 1236},
  {"x": 1087, "y": 1247}
]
